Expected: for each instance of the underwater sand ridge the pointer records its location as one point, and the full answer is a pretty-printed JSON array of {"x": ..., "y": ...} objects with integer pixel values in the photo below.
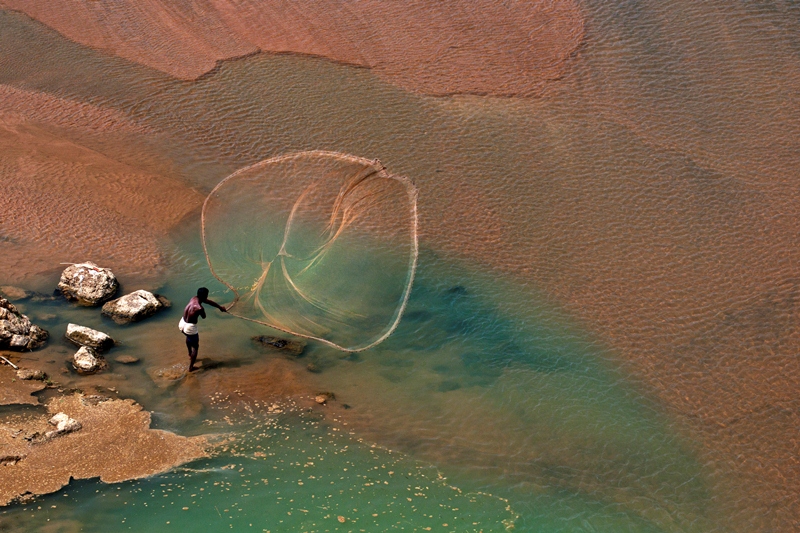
[
  {"x": 482, "y": 47},
  {"x": 63, "y": 198}
]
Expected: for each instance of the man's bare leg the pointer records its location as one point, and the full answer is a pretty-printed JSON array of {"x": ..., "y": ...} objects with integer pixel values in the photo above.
[
  {"x": 192, "y": 359},
  {"x": 193, "y": 344}
]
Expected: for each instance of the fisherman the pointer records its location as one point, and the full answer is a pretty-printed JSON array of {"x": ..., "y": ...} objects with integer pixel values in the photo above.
[{"x": 188, "y": 323}]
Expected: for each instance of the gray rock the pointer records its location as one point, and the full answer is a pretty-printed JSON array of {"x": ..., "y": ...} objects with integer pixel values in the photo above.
[
  {"x": 64, "y": 424},
  {"x": 83, "y": 336},
  {"x": 132, "y": 307},
  {"x": 28, "y": 374},
  {"x": 87, "y": 361},
  {"x": 16, "y": 330},
  {"x": 88, "y": 284}
]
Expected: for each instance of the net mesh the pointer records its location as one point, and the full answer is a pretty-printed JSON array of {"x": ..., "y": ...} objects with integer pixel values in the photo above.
[{"x": 318, "y": 244}]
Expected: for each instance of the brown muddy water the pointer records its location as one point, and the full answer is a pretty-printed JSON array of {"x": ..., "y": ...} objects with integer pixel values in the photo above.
[{"x": 603, "y": 332}]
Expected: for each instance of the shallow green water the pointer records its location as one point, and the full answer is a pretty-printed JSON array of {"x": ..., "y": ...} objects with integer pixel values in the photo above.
[
  {"x": 481, "y": 385},
  {"x": 283, "y": 473}
]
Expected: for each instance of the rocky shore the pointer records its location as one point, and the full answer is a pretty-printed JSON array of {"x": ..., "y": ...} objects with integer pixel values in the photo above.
[{"x": 73, "y": 420}]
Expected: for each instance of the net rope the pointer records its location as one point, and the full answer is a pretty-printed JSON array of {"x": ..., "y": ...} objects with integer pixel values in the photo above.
[{"x": 317, "y": 244}]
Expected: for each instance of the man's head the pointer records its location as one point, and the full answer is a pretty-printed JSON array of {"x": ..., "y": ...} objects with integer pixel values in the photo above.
[{"x": 202, "y": 294}]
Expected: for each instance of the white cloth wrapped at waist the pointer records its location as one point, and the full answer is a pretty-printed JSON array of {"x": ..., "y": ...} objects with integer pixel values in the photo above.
[{"x": 187, "y": 327}]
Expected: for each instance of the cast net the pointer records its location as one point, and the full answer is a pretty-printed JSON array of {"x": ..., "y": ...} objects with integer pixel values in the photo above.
[{"x": 317, "y": 244}]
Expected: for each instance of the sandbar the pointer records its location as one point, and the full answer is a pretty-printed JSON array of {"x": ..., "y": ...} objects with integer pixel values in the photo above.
[{"x": 436, "y": 48}]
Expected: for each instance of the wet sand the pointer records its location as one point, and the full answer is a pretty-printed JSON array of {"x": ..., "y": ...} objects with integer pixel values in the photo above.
[
  {"x": 483, "y": 47},
  {"x": 64, "y": 199},
  {"x": 114, "y": 444},
  {"x": 14, "y": 391}
]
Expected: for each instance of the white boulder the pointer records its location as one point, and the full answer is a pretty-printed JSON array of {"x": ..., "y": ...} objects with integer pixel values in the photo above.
[
  {"x": 64, "y": 424},
  {"x": 83, "y": 336},
  {"x": 133, "y": 307},
  {"x": 88, "y": 284},
  {"x": 87, "y": 361}
]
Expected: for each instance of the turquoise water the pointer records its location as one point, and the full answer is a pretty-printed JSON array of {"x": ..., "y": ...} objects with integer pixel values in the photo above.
[
  {"x": 486, "y": 410},
  {"x": 283, "y": 472}
]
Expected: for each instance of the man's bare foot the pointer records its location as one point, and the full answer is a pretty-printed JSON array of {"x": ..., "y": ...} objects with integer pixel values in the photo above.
[{"x": 192, "y": 369}]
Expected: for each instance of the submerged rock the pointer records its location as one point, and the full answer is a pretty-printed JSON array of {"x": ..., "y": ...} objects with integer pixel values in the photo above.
[
  {"x": 294, "y": 348},
  {"x": 16, "y": 330},
  {"x": 167, "y": 376},
  {"x": 83, "y": 336},
  {"x": 15, "y": 293},
  {"x": 133, "y": 307},
  {"x": 127, "y": 359},
  {"x": 322, "y": 398},
  {"x": 87, "y": 361},
  {"x": 88, "y": 284}
]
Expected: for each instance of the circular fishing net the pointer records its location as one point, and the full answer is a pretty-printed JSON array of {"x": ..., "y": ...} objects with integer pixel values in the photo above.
[{"x": 317, "y": 244}]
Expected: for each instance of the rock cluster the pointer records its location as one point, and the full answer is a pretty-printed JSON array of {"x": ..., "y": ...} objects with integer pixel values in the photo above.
[
  {"x": 83, "y": 336},
  {"x": 135, "y": 306},
  {"x": 88, "y": 284},
  {"x": 91, "y": 285},
  {"x": 16, "y": 330}
]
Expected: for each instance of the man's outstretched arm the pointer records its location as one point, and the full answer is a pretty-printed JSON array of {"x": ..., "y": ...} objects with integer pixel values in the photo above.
[{"x": 215, "y": 304}]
